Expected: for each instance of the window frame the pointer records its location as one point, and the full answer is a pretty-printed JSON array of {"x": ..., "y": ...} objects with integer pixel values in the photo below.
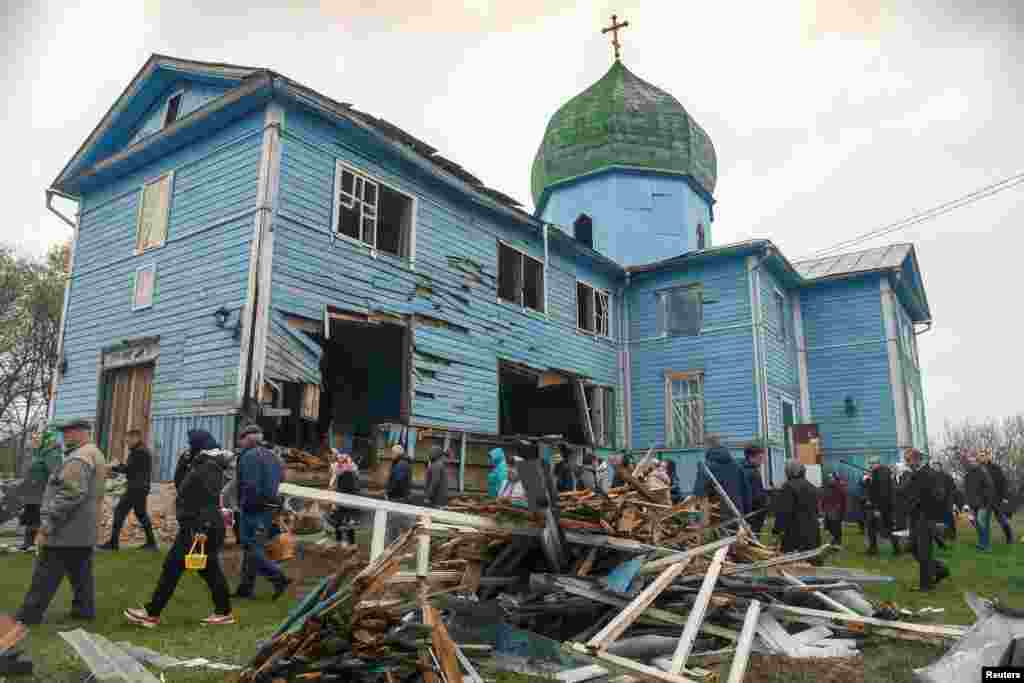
[
  {"x": 608, "y": 412},
  {"x": 672, "y": 376},
  {"x": 340, "y": 166},
  {"x": 521, "y": 288},
  {"x": 164, "y": 123},
  {"x": 606, "y": 333},
  {"x": 169, "y": 176},
  {"x": 135, "y": 288},
  {"x": 780, "y": 309},
  {"x": 661, "y": 306}
]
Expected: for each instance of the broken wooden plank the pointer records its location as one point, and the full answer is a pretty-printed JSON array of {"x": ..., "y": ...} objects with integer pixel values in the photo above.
[
  {"x": 380, "y": 531},
  {"x": 423, "y": 548},
  {"x": 812, "y": 635},
  {"x": 936, "y": 631},
  {"x": 775, "y": 561},
  {"x": 742, "y": 656},
  {"x": 627, "y": 616},
  {"x": 588, "y": 563},
  {"x": 656, "y": 566},
  {"x": 628, "y": 666},
  {"x": 697, "y": 613},
  {"x": 818, "y": 594}
]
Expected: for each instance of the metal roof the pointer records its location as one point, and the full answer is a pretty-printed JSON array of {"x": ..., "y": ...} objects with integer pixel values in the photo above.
[{"x": 879, "y": 258}]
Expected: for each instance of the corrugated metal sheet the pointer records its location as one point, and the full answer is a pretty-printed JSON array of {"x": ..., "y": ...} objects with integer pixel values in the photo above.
[
  {"x": 170, "y": 437},
  {"x": 879, "y": 258},
  {"x": 105, "y": 660}
]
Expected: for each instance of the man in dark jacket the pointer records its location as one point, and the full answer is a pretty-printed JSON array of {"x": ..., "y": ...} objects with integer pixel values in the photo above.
[
  {"x": 796, "y": 511},
  {"x": 138, "y": 468},
  {"x": 436, "y": 485},
  {"x": 728, "y": 473},
  {"x": 950, "y": 501},
  {"x": 923, "y": 493},
  {"x": 980, "y": 492},
  {"x": 400, "y": 477},
  {"x": 1002, "y": 493},
  {"x": 753, "y": 460},
  {"x": 259, "y": 475},
  {"x": 878, "y": 506}
]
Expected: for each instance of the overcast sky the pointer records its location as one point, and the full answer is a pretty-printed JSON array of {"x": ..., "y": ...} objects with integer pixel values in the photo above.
[{"x": 829, "y": 118}]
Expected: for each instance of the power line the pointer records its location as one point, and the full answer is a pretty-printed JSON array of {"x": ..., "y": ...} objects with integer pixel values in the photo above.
[{"x": 929, "y": 214}]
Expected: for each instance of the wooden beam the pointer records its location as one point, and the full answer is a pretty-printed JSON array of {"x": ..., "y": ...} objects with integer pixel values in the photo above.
[
  {"x": 630, "y": 667},
  {"x": 380, "y": 530},
  {"x": 834, "y": 604},
  {"x": 935, "y": 630},
  {"x": 739, "y": 660},
  {"x": 462, "y": 463},
  {"x": 697, "y": 613},
  {"x": 423, "y": 548},
  {"x": 626, "y": 617},
  {"x": 658, "y": 565}
]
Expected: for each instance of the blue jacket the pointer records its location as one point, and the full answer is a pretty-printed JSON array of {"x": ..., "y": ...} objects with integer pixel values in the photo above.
[
  {"x": 400, "y": 479},
  {"x": 259, "y": 477},
  {"x": 498, "y": 475},
  {"x": 729, "y": 474}
]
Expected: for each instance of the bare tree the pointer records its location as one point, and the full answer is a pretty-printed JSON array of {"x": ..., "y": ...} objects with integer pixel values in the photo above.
[{"x": 1005, "y": 439}]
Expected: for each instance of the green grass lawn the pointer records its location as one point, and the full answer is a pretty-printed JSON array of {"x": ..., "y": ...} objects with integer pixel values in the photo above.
[{"x": 126, "y": 579}]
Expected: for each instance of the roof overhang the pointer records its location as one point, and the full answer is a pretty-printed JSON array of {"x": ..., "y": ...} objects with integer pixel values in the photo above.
[{"x": 773, "y": 260}]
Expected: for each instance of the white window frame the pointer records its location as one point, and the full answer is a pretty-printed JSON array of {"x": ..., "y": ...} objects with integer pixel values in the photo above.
[
  {"x": 605, "y": 433},
  {"x": 780, "y": 308},
  {"x": 522, "y": 279},
  {"x": 661, "y": 302},
  {"x": 670, "y": 412},
  {"x": 166, "y": 218},
  {"x": 135, "y": 288},
  {"x": 167, "y": 105},
  {"x": 341, "y": 166},
  {"x": 605, "y": 333}
]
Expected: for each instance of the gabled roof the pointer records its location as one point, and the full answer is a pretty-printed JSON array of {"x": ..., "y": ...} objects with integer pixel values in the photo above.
[{"x": 879, "y": 258}]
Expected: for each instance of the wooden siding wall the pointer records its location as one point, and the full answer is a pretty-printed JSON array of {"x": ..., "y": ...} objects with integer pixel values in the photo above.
[
  {"x": 464, "y": 330},
  {"x": 195, "y": 95},
  {"x": 912, "y": 378},
  {"x": 724, "y": 351},
  {"x": 780, "y": 355},
  {"x": 202, "y": 266},
  {"x": 847, "y": 356}
]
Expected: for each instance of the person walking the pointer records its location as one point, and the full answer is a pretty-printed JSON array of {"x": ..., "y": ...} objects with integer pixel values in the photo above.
[
  {"x": 46, "y": 459},
  {"x": 980, "y": 492},
  {"x": 833, "y": 507},
  {"x": 753, "y": 460},
  {"x": 199, "y": 480},
  {"x": 878, "y": 506},
  {"x": 138, "y": 468},
  {"x": 436, "y": 485},
  {"x": 399, "y": 484},
  {"x": 924, "y": 493},
  {"x": 730, "y": 476},
  {"x": 69, "y": 514},
  {"x": 1002, "y": 504},
  {"x": 950, "y": 499},
  {"x": 259, "y": 476},
  {"x": 344, "y": 479},
  {"x": 796, "y": 511},
  {"x": 498, "y": 475}
]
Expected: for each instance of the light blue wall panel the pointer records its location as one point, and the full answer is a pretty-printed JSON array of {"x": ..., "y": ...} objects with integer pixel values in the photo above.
[
  {"x": 724, "y": 351},
  {"x": 195, "y": 95},
  {"x": 202, "y": 266},
  {"x": 466, "y": 330},
  {"x": 847, "y": 357},
  {"x": 638, "y": 217},
  {"x": 776, "y": 334},
  {"x": 170, "y": 437}
]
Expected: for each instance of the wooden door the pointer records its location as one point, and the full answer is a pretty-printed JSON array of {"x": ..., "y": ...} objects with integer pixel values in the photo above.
[{"x": 128, "y": 397}]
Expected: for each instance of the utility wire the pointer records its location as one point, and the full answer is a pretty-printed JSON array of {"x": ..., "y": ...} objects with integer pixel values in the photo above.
[{"x": 934, "y": 212}]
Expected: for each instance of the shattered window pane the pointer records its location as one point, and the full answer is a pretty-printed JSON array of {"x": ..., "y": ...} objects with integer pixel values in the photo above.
[
  {"x": 680, "y": 311},
  {"x": 584, "y": 307},
  {"x": 377, "y": 216},
  {"x": 601, "y": 313},
  {"x": 348, "y": 221},
  {"x": 348, "y": 183},
  {"x": 510, "y": 272},
  {"x": 533, "y": 284}
]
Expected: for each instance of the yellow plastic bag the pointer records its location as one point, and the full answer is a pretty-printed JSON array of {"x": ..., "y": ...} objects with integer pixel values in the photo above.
[{"x": 196, "y": 561}]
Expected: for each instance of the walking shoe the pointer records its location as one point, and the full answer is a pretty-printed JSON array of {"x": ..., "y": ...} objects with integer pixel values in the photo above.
[
  {"x": 219, "y": 620},
  {"x": 141, "y": 617},
  {"x": 107, "y": 546},
  {"x": 281, "y": 587}
]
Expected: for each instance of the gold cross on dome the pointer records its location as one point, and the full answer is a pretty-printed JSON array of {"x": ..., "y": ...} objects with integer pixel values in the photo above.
[{"x": 614, "y": 29}]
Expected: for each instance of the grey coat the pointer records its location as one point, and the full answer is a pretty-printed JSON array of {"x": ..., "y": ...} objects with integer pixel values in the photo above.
[
  {"x": 436, "y": 490},
  {"x": 73, "y": 499}
]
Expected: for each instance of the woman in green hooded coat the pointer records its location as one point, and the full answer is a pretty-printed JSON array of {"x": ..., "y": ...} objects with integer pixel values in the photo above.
[{"x": 46, "y": 459}]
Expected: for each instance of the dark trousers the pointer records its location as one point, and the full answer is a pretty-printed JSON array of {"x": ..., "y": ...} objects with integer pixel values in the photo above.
[
  {"x": 835, "y": 529},
  {"x": 174, "y": 567},
  {"x": 922, "y": 533},
  {"x": 132, "y": 501},
  {"x": 880, "y": 524},
  {"x": 1004, "y": 522},
  {"x": 950, "y": 524},
  {"x": 52, "y": 565},
  {"x": 257, "y": 529},
  {"x": 757, "y": 520}
]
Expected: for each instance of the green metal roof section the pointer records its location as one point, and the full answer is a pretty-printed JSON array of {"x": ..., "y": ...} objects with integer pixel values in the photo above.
[{"x": 622, "y": 120}]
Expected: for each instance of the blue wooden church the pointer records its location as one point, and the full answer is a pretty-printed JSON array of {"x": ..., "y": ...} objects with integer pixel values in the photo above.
[{"x": 248, "y": 248}]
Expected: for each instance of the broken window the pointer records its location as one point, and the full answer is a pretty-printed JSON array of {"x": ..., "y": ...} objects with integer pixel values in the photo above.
[
  {"x": 371, "y": 213},
  {"x": 780, "y": 311},
  {"x": 173, "y": 107},
  {"x": 601, "y": 404},
  {"x": 593, "y": 311},
  {"x": 154, "y": 209},
  {"x": 684, "y": 398},
  {"x": 520, "y": 278},
  {"x": 143, "y": 287},
  {"x": 583, "y": 230},
  {"x": 680, "y": 311}
]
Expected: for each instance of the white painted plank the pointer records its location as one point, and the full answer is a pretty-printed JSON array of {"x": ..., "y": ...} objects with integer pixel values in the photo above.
[
  {"x": 812, "y": 635},
  {"x": 739, "y": 660},
  {"x": 697, "y": 614},
  {"x": 380, "y": 529},
  {"x": 818, "y": 594}
]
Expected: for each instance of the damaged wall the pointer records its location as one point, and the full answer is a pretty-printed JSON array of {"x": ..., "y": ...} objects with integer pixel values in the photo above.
[{"x": 461, "y": 328}]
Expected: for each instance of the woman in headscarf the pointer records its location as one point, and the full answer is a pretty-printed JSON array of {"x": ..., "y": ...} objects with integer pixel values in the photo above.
[
  {"x": 199, "y": 479},
  {"x": 498, "y": 475},
  {"x": 46, "y": 459},
  {"x": 345, "y": 479},
  {"x": 513, "y": 488}
]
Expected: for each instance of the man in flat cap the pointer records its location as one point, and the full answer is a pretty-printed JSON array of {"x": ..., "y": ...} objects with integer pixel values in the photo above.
[{"x": 70, "y": 512}]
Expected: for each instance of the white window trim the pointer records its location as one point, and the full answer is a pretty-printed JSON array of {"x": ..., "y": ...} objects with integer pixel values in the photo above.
[
  {"x": 522, "y": 272},
  {"x": 660, "y": 301},
  {"x": 608, "y": 313},
  {"x": 685, "y": 376},
  {"x": 135, "y": 285},
  {"x": 167, "y": 103},
  {"x": 167, "y": 214},
  {"x": 784, "y": 333},
  {"x": 339, "y": 166}
]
